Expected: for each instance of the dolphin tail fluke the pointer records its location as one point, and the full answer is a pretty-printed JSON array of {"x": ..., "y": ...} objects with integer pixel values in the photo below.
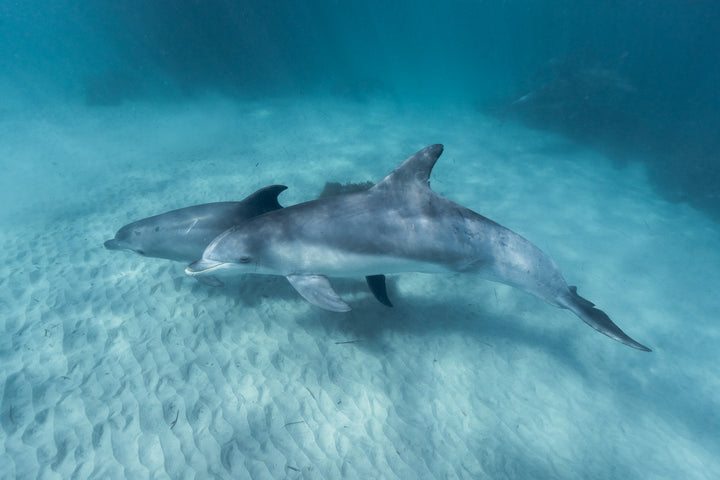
[{"x": 597, "y": 319}]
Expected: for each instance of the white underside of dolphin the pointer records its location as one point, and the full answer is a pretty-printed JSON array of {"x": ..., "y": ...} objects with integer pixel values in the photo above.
[{"x": 399, "y": 225}]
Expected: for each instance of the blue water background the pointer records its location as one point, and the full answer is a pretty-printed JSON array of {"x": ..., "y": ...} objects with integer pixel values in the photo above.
[
  {"x": 636, "y": 80},
  {"x": 656, "y": 93}
]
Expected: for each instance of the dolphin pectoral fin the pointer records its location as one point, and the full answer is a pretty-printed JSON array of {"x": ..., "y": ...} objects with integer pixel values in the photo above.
[
  {"x": 378, "y": 289},
  {"x": 598, "y": 319},
  {"x": 317, "y": 290}
]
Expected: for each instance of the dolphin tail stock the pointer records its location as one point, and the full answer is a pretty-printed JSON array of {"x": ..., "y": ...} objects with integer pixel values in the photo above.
[{"x": 597, "y": 319}]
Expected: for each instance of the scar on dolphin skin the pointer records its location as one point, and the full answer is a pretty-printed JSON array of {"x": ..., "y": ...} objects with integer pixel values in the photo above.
[{"x": 398, "y": 225}]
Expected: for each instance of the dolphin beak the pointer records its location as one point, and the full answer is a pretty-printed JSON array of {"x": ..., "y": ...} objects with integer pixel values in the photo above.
[
  {"x": 112, "y": 244},
  {"x": 201, "y": 266}
]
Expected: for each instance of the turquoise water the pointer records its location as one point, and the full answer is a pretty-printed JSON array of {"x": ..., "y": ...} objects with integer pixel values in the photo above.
[{"x": 590, "y": 130}]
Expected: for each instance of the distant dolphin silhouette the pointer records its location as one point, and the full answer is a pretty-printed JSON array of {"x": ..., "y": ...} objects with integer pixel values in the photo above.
[
  {"x": 399, "y": 225},
  {"x": 183, "y": 234}
]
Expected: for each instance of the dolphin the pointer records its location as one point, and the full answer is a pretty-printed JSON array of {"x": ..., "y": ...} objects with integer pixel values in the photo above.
[
  {"x": 398, "y": 225},
  {"x": 183, "y": 234}
]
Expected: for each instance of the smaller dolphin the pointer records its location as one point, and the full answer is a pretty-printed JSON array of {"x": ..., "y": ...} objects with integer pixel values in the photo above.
[{"x": 183, "y": 234}]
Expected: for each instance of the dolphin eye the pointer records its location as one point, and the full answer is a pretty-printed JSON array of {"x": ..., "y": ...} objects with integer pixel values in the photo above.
[
  {"x": 244, "y": 259},
  {"x": 141, "y": 252}
]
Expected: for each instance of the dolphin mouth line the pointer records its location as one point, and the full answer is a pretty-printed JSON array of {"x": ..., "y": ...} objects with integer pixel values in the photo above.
[
  {"x": 202, "y": 266},
  {"x": 112, "y": 244}
]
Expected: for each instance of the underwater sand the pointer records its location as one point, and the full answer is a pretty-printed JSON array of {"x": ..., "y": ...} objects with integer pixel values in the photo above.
[{"x": 117, "y": 366}]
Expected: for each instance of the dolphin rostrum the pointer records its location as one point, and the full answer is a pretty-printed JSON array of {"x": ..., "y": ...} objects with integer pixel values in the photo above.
[
  {"x": 399, "y": 225},
  {"x": 183, "y": 234}
]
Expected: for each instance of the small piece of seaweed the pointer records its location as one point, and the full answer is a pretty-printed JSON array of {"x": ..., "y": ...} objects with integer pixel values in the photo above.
[{"x": 172, "y": 425}]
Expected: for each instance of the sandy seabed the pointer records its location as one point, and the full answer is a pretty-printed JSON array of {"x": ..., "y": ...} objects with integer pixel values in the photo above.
[{"x": 117, "y": 366}]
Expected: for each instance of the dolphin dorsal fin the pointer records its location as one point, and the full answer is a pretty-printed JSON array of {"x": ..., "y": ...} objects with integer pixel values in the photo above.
[
  {"x": 265, "y": 199},
  {"x": 415, "y": 170}
]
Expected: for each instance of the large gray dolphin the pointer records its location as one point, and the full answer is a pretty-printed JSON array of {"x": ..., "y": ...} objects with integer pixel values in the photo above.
[
  {"x": 399, "y": 225},
  {"x": 183, "y": 234}
]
